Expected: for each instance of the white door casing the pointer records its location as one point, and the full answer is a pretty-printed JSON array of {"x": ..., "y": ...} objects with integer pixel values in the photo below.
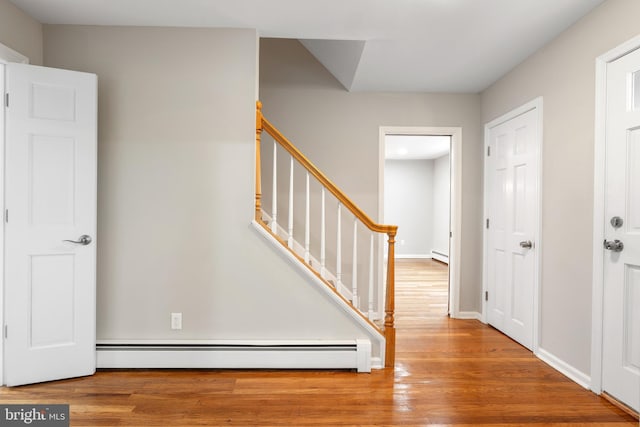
[
  {"x": 512, "y": 223},
  {"x": 455, "y": 200},
  {"x": 621, "y": 270},
  {"x": 50, "y": 196}
]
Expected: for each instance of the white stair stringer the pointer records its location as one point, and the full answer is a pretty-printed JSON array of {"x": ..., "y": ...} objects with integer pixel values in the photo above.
[{"x": 377, "y": 338}]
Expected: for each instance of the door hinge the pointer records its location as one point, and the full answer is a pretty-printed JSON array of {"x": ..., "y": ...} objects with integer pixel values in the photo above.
[
  {"x": 6, "y": 99},
  {"x": 487, "y": 223},
  {"x": 488, "y": 150},
  {"x": 6, "y": 332},
  {"x": 451, "y": 234},
  {"x": 6, "y": 216},
  {"x": 486, "y": 295}
]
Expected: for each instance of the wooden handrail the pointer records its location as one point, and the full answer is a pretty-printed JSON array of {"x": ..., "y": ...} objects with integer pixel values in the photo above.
[
  {"x": 263, "y": 124},
  {"x": 326, "y": 182}
]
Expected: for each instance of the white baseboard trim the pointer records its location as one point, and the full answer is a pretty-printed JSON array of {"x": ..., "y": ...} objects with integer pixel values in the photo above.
[
  {"x": 376, "y": 363},
  {"x": 468, "y": 315},
  {"x": 412, "y": 256},
  {"x": 564, "y": 368},
  {"x": 339, "y": 355}
]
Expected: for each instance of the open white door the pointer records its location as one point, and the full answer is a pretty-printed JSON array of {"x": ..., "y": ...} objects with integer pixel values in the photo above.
[
  {"x": 513, "y": 144},
  {"x": 51, "y": 153},
  {"x": 621, "y": 315}
]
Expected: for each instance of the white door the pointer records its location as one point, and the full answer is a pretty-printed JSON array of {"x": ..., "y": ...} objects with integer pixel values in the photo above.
[
  {"x": 621, "y": 327},
  {"x": 511, "y": 224},
  {"x": 50, "y": 197}
]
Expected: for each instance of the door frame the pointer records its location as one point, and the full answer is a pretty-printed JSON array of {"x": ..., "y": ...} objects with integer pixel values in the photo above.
[
  {"x": 537, "y": 105},
  {"x": 455, "y": 200},
  {"x": 597, "y": 296},
  {"x": 6, "y": 55}
]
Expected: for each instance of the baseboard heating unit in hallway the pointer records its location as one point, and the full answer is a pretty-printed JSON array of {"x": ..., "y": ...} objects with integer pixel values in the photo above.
[
  {"x": 440, "y": 256},
  {"x": 353, "y": 354}
]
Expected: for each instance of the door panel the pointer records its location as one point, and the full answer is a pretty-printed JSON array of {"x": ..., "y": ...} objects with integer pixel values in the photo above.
[
  {"x": 51, "y": 180},
  {"x": 498, "y": 276},
  {"x": 512, "y": 212},
  {"x": 498, "y": 309},
  {"x": 519, "y": 302},
  {"x": 631, "y": 341},
  {"x": 621, "y": 308},
  {"x": 51, "y": 280},
  {"x": 633, "y": 159},
  {"x": 51, "y": 151}
]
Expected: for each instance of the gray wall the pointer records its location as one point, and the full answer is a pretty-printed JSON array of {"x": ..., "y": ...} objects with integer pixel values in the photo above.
[
  {"x": 20, "y": 32},
  {"x": 409, "y": 203},
  {"x": 338, "y": 131},
  {"x": 563, "y": 73},
  {"x": 441, "y": 203},
  {"x": 176, "y": 185}
]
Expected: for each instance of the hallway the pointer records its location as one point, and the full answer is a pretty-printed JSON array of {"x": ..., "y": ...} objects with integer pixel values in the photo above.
[
  {"x": 421, "y": 291},
  {"x": 453, "y": 372}
]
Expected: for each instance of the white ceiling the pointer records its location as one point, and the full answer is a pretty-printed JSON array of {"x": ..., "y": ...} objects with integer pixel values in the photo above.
[
  {"x": 412, "y": 147},
  {"x": 369, "y": 45}
]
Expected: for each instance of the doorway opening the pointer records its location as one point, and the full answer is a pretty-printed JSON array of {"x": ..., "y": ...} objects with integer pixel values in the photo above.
[
  {"x": 419, "y": 183},
  {"x": 417, "y": 187}
]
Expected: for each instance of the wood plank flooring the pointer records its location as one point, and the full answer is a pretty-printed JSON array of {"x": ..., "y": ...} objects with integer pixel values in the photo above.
[{"x": 448, "y": 372}]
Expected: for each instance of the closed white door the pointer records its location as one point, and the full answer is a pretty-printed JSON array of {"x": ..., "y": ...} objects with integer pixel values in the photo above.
[
  {"x": 621, "y": 328},
  {"x": 511, "y": 224},
  {"x": 50, "y": 199}
]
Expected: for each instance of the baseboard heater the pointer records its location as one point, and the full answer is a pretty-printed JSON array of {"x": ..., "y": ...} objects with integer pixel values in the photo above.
[
  {"x": 337, "y": 355},
  {"x": 440, "y": 256}
]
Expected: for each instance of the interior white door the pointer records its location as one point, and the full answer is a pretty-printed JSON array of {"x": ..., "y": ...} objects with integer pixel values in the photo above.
[
  {"x": 51, "y": 153},
  {"x": 621, "y": 314},
  {"x": 512, "y": 218}
]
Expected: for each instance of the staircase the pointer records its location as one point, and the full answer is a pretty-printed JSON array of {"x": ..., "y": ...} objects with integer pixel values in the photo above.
[{"x": 328, "y": 234}]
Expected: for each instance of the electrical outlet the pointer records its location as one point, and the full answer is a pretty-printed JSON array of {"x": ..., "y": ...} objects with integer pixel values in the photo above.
[
  {"x": 402, "y": 242},
  {"x": 176, "y": 321}
]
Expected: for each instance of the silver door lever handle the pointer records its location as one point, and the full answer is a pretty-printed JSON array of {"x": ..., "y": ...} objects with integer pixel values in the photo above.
[
  {"x": 82, "y": 240},
  {"x": 526, "y": 244}
]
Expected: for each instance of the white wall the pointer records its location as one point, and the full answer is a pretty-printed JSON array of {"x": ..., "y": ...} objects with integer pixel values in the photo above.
[
  {"x": 416, "y": 198},
  {"x": 441, "y": 204},
  {"x": 176, "y": 189},
  {"x": 20, "y": 32},
  {"x": 563, "y": 73},
  {"x": 338, "y": 131},
  {"x": 408, "y": 203}
]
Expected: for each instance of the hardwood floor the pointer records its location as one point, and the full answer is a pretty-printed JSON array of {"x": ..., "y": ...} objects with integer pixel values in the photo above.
[{"x": 448, "y": 372}]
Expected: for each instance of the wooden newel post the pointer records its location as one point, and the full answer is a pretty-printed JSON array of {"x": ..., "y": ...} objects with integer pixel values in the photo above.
[
  {"x": 389, "y": 328},
  {"x": 258, "y": 214}
]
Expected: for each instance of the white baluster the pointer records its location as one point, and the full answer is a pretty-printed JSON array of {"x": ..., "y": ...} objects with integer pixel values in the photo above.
[
  {"x": 274, "y": 206},
  {"x": 371, "y": 269},
  {"x": 339, "y": 250},
  {"x": 290, "y": 230},
  {"x": 354, "y": 275},
  {"x": 322, "y": 238},
  {"x": 307, "y": 225}
]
